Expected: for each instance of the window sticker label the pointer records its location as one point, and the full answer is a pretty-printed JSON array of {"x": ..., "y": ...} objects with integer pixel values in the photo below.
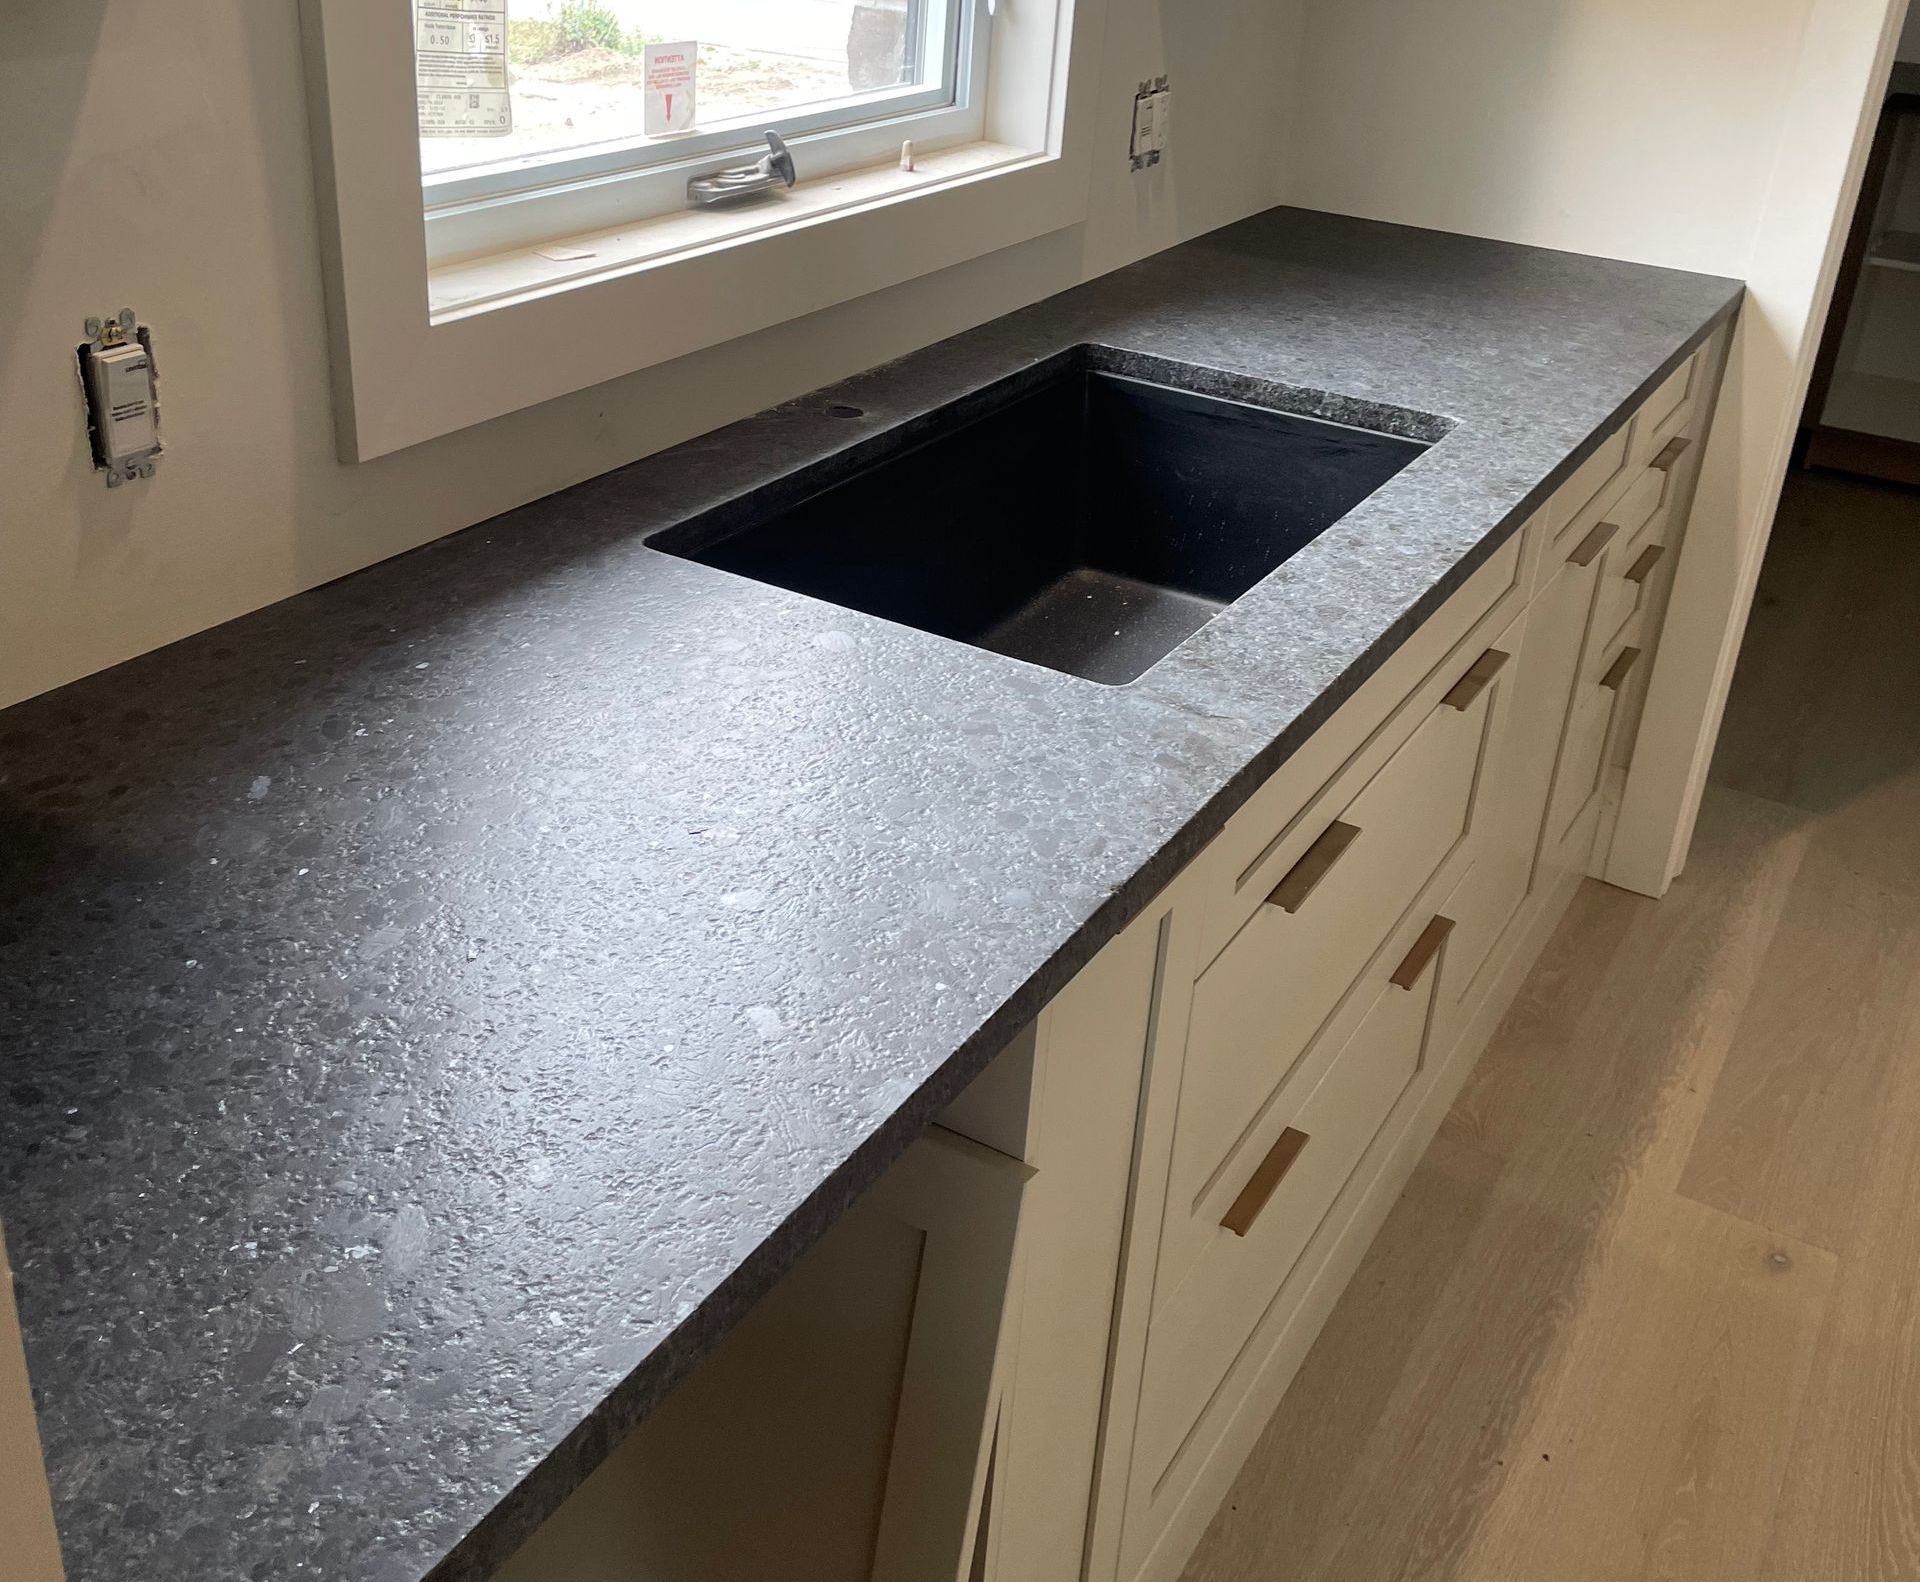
[
  {"x": 460, "y": 68},
  {"x": 670, "y": 72}
]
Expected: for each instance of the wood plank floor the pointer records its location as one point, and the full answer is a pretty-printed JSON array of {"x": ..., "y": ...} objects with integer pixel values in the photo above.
[{"x": 1650, "y": 1306}]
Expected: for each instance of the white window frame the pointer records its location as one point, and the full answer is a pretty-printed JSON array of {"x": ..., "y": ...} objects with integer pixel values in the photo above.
[
  {"x": 420, "y": 349},
  {"x": 531, "y": 198}
]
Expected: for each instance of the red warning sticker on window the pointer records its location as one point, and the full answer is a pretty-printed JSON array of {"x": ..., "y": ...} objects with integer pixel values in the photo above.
[{"x": 670, "y": 73}]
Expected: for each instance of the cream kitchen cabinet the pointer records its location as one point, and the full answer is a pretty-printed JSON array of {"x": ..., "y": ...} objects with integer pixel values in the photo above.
[
  {"x": 1040, "y": 1349},
  {"x": 1353, "y": 937}
]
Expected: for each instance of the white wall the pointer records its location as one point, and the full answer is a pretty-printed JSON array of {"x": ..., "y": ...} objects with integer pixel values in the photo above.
[
  {"x": 1718, "y": 135},
  {"x": 156, "y": 155},
  {"x": 1638, "y": 129}
]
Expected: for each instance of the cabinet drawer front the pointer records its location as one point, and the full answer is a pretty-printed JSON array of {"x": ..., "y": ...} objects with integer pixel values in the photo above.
[
  {"x": 1632, "y": 574},
  {"x": 1321, "y": 1135},
  {"x": 1633, "y": 662},
  {"x": 1599, "y": 488},
  {"x": 1265, "y": 998},
  {"x": 1527, "y": 710},
  {"x": 1266, "y": 839},
  {"x": 1635, "y": 520},
  {"x": 1578, "y": 778},
  {"x": 1665, "y": 409},
  {"x": 1592, "y": 477},
  {"x": 1638, "y": 510}
]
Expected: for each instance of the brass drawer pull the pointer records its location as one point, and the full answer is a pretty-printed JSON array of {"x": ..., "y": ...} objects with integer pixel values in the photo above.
[
  {"x": 1670, "y": 453},
  {"x": 1592, "y": 544},
  {"x": 1315, "y": 863},
  {"x": 1264, "y": 1182},
  {"x": 1425, "y": 948},
  {"x": 1642, "y": 568},
  {"x": 1476, "y": 680},
  {"x": 1617, "y": 672}
]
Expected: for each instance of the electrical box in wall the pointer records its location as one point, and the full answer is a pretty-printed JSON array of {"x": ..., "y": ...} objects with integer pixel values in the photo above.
[{"x": 123, "y": 409}]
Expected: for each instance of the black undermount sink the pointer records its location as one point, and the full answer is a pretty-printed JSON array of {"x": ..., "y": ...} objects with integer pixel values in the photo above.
[{"x": 1071, "y": 515}]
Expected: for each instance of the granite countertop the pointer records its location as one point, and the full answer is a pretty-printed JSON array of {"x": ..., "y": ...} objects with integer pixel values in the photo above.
[{"x": 434, "y": 1007}]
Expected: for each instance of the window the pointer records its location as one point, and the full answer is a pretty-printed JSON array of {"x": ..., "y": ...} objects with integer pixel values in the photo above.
[
  {"x": 558, "y": 248},
  {"x": 844, "y": 81}
]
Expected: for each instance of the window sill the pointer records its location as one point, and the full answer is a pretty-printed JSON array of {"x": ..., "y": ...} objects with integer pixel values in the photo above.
[{"x": 466, "y": 287}]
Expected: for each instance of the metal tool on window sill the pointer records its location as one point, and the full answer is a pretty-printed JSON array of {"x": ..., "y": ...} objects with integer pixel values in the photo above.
[{"x": 772, "y": 169}]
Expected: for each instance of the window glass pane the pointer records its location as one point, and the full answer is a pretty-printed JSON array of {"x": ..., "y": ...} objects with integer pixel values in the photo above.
[{"x": 576, "y": 68}]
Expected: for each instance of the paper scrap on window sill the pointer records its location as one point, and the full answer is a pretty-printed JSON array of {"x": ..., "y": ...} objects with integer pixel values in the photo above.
[
  {"x": 460, "y": 68},
  {"x": 566, "y": 255}
]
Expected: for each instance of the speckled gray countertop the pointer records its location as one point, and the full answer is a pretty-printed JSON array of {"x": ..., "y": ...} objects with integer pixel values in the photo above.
[{"x": 433, "y": 1008}]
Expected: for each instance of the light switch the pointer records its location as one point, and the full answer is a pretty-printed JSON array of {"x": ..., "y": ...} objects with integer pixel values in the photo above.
[
  {"x": 124, "y": 380},
  {"x": 1160, "y": 108},
  {"x": 123, "y": 420},
  {"x": 1150, "y": 107},
  {"x": 1143, "y": 124}
]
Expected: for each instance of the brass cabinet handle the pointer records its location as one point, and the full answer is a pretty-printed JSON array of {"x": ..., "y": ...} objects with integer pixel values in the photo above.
[
  {"x": 1479, "y": 675},
  {"x": 1315, "y": 863},
  {"x": 1642, "y": 568},
  {"x": 1592, "y": 544},
  {"x": 1425, "y": 948},
  {"x": 1617, "y": 672},
  {"x": 1670, "y": 453},
  {"x": 1264, "y": 1181}
]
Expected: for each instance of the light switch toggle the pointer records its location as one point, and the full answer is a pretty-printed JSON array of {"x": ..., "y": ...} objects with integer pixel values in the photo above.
[{"x": 123, "y": 411}]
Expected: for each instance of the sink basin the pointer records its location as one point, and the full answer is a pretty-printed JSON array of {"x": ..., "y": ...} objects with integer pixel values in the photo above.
[{"x": 1073, "y": 515}]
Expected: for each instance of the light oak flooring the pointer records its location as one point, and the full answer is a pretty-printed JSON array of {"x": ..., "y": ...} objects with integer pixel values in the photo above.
[{"x": 1650, "y": 1305}]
